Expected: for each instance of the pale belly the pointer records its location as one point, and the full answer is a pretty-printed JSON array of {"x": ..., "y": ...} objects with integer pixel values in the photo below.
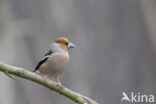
[{"x": 55, "y": 65}]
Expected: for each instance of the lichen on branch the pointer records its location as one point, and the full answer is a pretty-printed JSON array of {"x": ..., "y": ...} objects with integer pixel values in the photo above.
[{"x": 23, "y": 73}]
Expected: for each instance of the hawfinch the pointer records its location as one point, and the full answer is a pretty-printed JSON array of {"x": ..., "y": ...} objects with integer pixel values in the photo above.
[{"x": 56, "y": 60}]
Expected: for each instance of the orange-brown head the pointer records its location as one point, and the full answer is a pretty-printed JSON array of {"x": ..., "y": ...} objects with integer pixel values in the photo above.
[
  {"x": 64, "y": 43},
  {"x": 62, "y": 40}
]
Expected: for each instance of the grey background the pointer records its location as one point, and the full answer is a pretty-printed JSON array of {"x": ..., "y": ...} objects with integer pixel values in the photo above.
[{"x": 115, "y": 47}]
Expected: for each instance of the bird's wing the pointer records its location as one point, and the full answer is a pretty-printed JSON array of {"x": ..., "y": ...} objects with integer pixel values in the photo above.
[
  {"x": 46, "y": 56},
  {"x": 48, "y": 53}
]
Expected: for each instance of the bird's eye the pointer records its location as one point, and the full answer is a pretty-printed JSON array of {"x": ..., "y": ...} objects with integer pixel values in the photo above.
[{"x": 66, "y": 43}]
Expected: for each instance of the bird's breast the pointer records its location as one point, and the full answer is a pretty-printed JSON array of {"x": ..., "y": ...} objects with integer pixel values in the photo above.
[{"x": 55, "y": 65}]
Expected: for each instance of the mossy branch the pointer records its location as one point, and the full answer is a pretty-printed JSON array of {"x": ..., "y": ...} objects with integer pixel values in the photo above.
[{"x": 23, "y": 73}]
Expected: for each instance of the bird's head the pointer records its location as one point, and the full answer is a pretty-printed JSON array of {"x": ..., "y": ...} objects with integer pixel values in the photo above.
[{"x": 64, "y": 43}]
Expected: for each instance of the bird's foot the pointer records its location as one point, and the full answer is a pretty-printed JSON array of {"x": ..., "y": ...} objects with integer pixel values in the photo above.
[{"x": 59, "y": 85}]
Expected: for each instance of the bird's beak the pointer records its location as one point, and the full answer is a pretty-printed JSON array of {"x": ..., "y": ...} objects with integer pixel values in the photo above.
[{"x": 71, "y": 45}]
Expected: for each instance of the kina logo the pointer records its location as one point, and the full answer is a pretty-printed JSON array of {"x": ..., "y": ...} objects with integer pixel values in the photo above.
[{"x": 137, "y": 97}]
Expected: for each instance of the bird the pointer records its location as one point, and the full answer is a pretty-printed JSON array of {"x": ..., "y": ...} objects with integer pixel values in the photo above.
[{"x": 55, "y": 60}]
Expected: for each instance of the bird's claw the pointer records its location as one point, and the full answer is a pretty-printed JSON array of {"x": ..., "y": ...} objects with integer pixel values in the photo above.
[{"x": 59, "y": 85}]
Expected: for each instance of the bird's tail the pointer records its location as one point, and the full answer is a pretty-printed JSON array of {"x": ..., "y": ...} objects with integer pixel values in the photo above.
[{"x": 34, "y": 70}]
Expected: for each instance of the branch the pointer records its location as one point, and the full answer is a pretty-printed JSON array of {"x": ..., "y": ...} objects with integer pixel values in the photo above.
[{"x": 23, "y": 73}]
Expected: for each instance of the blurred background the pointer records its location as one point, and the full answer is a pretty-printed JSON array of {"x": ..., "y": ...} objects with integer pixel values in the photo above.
[{"x": 115, "y": 47}]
